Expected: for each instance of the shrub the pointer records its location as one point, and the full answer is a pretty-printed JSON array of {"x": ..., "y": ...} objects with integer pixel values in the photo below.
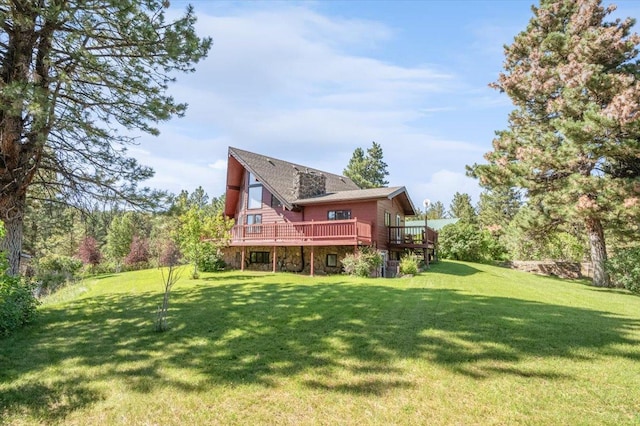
[
  {"x": 211, "y": 260},
  {"x": 54, "y": 271},
  {"x": 624, "y": 269},
  {"x": 363, "y": 262},
  {"x": 465, "y": 241},
  {"x": 17, "y": 302},
  {"x": 409, "y": 264}
]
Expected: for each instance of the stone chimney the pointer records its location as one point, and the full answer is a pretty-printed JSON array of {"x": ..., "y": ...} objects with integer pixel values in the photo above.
[{"x": 308, "y": 184}]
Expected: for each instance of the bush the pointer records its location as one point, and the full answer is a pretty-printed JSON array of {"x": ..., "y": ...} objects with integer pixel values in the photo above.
[
  {"x": 409, "y": 264},
  {"x": 54, "y": 271},
  {"x": 363, "y": 262},
  {"x": 624, "y": 269},
  {"x": 17, "y": 303},
  {"x": 211, "y": 261},
  {"x": 465, "y": 241}
]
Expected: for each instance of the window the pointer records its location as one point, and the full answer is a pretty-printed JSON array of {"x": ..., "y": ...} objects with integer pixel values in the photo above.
[
  {"x": 387, "y": 219},
  {"x": 332, "y": 260},
  {"x": 259, "y": 257},
  {"x": 255, "y": 193},
  {"x": 338, "y": 214},
  {"x": 275, "y": 202},
  {"x": 254, "y": 219}
]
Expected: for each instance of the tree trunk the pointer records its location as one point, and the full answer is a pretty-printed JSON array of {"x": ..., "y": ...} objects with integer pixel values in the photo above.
[
  {"x": 598, "y": 252},
  {"x": 12, "y": 242}
]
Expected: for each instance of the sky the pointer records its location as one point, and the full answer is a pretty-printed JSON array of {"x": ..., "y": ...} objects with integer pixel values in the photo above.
[{"x": 309, "y": 82}]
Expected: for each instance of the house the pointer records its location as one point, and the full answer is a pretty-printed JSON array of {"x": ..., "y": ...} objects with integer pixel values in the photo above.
[{"x": 290, "y": 217}]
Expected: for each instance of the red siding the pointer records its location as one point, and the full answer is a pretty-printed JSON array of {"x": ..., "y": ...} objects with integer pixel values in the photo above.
[{"x": 363, "y": 211}]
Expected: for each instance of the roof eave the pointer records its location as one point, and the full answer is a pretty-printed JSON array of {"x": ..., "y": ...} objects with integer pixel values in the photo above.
[{"x": 282, "y": 200}]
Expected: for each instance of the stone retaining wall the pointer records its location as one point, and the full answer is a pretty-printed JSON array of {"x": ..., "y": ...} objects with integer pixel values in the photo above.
[{"x": 571, "y": 270}]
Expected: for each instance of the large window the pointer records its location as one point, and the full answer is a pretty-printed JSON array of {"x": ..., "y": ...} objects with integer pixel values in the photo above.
[
  {"x": 255, "y": 193},
  {"x": 254, "y": 220},
  {"x": 338, "y": 214},
  {"x": 259, "y": 257}
]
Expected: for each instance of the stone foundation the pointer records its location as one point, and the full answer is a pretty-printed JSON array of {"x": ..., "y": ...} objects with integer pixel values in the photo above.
[{"x": 288, "y": 259}]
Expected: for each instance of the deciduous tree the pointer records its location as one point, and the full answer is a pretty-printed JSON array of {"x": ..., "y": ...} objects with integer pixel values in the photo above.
[
  {"x": 74, "y": 77},
  {"x": 572, "y": 141}
]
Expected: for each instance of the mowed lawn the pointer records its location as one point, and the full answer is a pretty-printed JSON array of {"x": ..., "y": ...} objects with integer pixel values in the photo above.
[{"x": 460, "y": 344}]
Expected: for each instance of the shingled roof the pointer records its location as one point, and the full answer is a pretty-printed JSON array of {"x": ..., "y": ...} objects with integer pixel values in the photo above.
[
  {"x": 366, "y": 194},
  {"x": 279, "y": 176}
]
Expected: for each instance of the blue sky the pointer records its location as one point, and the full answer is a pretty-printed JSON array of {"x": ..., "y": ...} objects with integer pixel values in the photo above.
[{"x": 309, "y": 82}]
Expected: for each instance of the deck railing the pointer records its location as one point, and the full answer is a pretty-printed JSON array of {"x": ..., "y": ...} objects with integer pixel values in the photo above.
[
  {"x": 411, "y": 235},
  {"x": 352, "y": 231}
]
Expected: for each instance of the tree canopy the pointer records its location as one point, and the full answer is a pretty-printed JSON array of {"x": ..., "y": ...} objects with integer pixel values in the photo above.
[
  {"x": 367, "y": 170},
  {"x": 462, "y": 208},
  {"x": 75, "y": 78},
  {"x": 573, "y": 139}
]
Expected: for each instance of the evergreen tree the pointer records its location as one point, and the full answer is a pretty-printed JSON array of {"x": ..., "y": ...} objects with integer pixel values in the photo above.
[
  {"x": 436, "y": 210},
  {"x": 573, "y": 140},
  {"x": 497, "y": 208},
  {"x": 462, "y": 208},
  {"x": 367, "y": 171},
  {"x": 72, "y": 73}
]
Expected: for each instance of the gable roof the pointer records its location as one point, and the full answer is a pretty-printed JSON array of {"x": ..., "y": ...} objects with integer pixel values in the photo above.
[
  {"x": 278, "y": 177},
  {"x": 365, "y": 194}
]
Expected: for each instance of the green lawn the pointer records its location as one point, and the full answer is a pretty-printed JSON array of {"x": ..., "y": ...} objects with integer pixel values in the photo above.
[{"x": 461, "y": 344}]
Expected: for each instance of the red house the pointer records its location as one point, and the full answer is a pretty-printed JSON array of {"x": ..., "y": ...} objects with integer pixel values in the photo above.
[{"x": 295, "y": 218}]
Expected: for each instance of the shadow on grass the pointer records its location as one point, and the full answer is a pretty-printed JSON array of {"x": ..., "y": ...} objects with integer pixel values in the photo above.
[
  {"x": 452, "y": 268},
  {"x": 254, "y": 332}
]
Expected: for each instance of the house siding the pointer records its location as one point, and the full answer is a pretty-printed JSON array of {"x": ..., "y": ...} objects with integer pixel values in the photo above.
[
  {"x": 382, "y": 232},
  {"x": 364, "y": 211},
  {"x": 269, "y": 214}
]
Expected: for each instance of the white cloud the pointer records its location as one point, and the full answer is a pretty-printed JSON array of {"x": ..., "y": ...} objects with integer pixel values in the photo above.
[
  {"x": 304, "y": 87},
  {"x": 443, "y": 184},
  {"x": 219, "y": 165}
]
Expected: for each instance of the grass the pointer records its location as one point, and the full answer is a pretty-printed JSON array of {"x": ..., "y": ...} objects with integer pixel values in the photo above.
[{"x": 461, "y": 344}]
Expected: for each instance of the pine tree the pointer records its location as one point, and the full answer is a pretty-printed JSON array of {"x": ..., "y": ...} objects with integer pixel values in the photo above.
[
  {"x": 367, "y": 171},
  {"x": 462, "y": 208},
  {"x": 497, "y": 208},
  {"x": 72, "y": 73},
  {"x": 573, "y": 141},
  {"x": 436, "y": 210}
]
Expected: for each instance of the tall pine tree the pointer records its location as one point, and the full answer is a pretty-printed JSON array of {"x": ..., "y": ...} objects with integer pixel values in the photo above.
[
  {"x": 367, "y": 171},
  {"x": 73, "y": 74},
  {"x": 573, "y": 141}
]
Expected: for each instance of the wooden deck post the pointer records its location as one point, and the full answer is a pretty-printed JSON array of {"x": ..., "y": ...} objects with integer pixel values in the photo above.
[
  {"x": 243, "y": 258},
  {"x": 274, "y": 258},
  {"x": 311, "y": 265}
]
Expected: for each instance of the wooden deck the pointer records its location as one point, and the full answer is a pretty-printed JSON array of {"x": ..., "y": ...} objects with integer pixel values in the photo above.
[
  {"x": 321, "y": 233},
  {"x": 411, "y": 237}
]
